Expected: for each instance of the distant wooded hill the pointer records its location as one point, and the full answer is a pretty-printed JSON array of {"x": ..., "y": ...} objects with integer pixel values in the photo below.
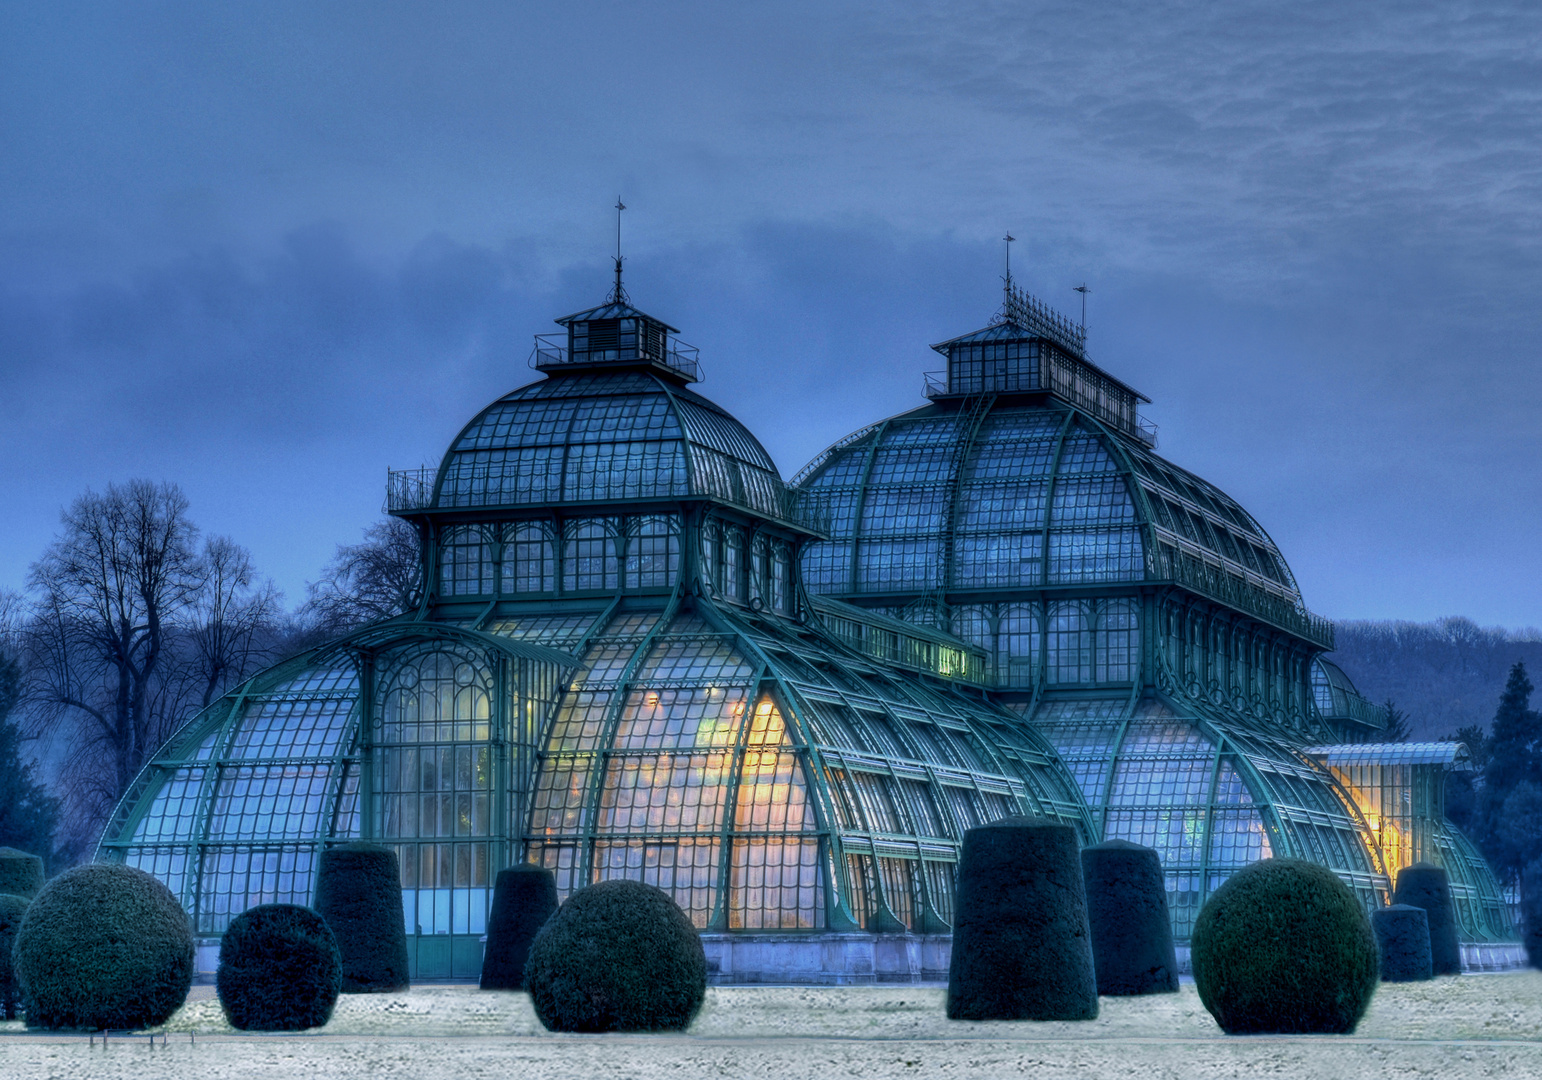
[{"x": 1444, "y": 675}]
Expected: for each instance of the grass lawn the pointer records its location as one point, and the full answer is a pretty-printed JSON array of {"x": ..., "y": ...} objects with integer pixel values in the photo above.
[{"x": 1470, "y": 1026}]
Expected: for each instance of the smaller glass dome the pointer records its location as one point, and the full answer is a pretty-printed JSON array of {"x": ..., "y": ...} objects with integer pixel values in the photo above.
[{"x": 606, "y": 436}]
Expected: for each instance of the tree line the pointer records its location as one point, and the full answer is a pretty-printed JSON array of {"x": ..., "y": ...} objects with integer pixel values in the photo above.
[{"x": 131, "y": 622}]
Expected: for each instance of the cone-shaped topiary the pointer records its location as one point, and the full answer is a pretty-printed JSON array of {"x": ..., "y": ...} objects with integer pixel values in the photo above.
[
  {"x": 12, "y": 908},
  {"x": 1283, "y": 946},
  {"x": 1021, "y": 946},
  {"x": 1402, "y": 943},
  {"x": 279, "y": 969},
  {"x": 524, "y": 897},
  {"x": 20, "y": 874},
  {"x": 1132, "y": 939},
  {"x": 1427, "y": 886},
  {"x": 104, "y": 946},
  {"x": 618, "y": 956},
  {"x": 359, "y": 894}
]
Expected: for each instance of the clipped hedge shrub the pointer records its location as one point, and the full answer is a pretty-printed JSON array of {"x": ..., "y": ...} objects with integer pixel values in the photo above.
[
  {"x": 104, "y": 946},
  {"x": 20, "y": 874},
  {"x": 12, "y": 908},
  {"x": 1132, "y": 939},
  {"x": 524, "y": 897},
  {"x": 279, "y": 969},
  {"x": 1427, "y": 886},
  {"x": 359, "y": 894},
  {"x": 618, "y": 956},
  {"x": 1402, "y": 943},
  {"x": 1022, "y": 949},
  {"x": 1284, "y": 947}
]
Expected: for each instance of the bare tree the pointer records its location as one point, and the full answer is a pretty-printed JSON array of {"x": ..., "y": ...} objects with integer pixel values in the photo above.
[
  {"x": 110, "y": 589},
  {"x": 379, "y": 578},
  {"x": 231, "y": 618}
]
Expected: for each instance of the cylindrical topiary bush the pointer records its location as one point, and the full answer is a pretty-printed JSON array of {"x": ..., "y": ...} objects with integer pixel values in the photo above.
[
  {"x": 1402, "y": 943},
  {"x": 279, "y": 969},
  {"x": 1132, "y": 939},
  {"x": 1427, "y": 886},
  {"x": 12, "y": 908},
  {"x": 618, "y": 956},
  {"x": 104, "y": 946},
  {"x": 1284, "y": 947},
  {"x": 524, "y": 897},
  {"x": 1021, "y": 945},
  {"x": 359, "y": 894},
  {"x": 20, "y": 874}
]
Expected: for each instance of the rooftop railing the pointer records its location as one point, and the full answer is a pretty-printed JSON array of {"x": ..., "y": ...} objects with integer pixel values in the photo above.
[
  {"x": 551, "y": 350},
  {"x": 935, "y": 385},
  {"x": 409, "y": 489},
  {"x": 1227, "y": 588}
]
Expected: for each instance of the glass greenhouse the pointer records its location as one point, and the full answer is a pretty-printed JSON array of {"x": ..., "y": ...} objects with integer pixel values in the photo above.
[{"x": 641, "y": 655}]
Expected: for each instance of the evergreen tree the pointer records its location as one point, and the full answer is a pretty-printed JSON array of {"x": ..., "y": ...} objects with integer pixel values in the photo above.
[
  {"x": 1397, "y": 729},
  {"x": 29, "y": 817},
  {"x": 1511, "y": 793}
]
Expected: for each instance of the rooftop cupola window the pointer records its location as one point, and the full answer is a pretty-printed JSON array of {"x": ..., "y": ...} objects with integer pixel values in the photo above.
[
  {"x": 616, "y": 335},
  {"x": 1031, "y": 349}
]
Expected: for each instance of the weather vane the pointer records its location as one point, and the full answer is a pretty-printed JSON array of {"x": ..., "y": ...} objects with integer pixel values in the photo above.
[
  {"x": 1084, "y": 290},
  {"x": 618, "y": 294},
  {"x": 1009, "y": 238}
]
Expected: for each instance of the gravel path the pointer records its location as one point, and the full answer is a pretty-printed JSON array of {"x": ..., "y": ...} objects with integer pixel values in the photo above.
[{"x": 1472, "y": 1026}]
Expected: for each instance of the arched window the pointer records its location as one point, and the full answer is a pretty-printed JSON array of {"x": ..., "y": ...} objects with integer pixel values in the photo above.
[
  {"x": 730, "y": 578},
  {"x": 465, "y": 562},
  {"x": 653, "y": 553},
  {"x": 1070, "y": 642},
  {"x": 433, "y": 782},
  {"x": 529, "y": 565},
  {"x": 1118, "y": 640},
  {"x": 1017, "y": 661},
  {"x": 781, "y": 574},
  {"x": 589, "y": 557}
]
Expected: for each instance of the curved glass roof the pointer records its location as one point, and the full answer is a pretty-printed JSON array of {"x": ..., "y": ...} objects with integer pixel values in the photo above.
[
  {"x": 606, "y": 436},
  {"x": 1014, "y": 496}
]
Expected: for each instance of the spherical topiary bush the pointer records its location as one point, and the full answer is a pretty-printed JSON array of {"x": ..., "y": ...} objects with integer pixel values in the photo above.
[
  {"x": 1021, "y": 946},
  {"x": 279, "y": 969},
  {"x": 20, "y": 874},
  {"x": 359, "y": 894},
  {"x": 1132, "y": 939},
  {"x": 1427, "y": 886},
  {"x": 618, "y": 956},
  {"x": 12, "y": 908},
  {"x": 1402, "y": 943},
  {"x": 104, "y": 946},
  {"x": 1285, "y": 947},
  {"x": 524, "y": 897}
]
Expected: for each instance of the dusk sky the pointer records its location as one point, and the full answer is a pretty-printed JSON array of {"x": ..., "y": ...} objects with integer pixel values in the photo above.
[{"x": 268, "y": 250}]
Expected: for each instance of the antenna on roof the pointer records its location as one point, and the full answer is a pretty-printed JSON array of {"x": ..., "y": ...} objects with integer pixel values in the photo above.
[
  {"x": 1082, "y": 288},
  {"x": 618, "y": 294}
]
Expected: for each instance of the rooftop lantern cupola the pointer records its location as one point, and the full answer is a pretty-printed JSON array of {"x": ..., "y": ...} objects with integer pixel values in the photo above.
[
  {"x": 616, "y": 335},
  {"x": 613, "y": 335},
  {"x": 1030, "y": 348}
]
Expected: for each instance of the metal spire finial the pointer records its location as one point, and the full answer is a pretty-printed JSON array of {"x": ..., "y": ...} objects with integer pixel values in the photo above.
[
  {"x": 618, "y": 294},
  {"x": 1009, "y": 238},
  {"x": 1084, "y": 290}
]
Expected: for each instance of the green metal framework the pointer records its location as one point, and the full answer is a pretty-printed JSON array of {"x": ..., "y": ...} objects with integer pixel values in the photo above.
[{"x": 639, "y": 655}]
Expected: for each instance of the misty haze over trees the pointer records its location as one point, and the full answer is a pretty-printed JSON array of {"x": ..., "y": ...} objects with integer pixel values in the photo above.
[{"x": 133, "y": 621}]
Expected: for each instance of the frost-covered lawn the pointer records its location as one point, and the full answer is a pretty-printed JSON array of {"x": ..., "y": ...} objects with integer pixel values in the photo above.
[{"x": 1472, "y": 1026}]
